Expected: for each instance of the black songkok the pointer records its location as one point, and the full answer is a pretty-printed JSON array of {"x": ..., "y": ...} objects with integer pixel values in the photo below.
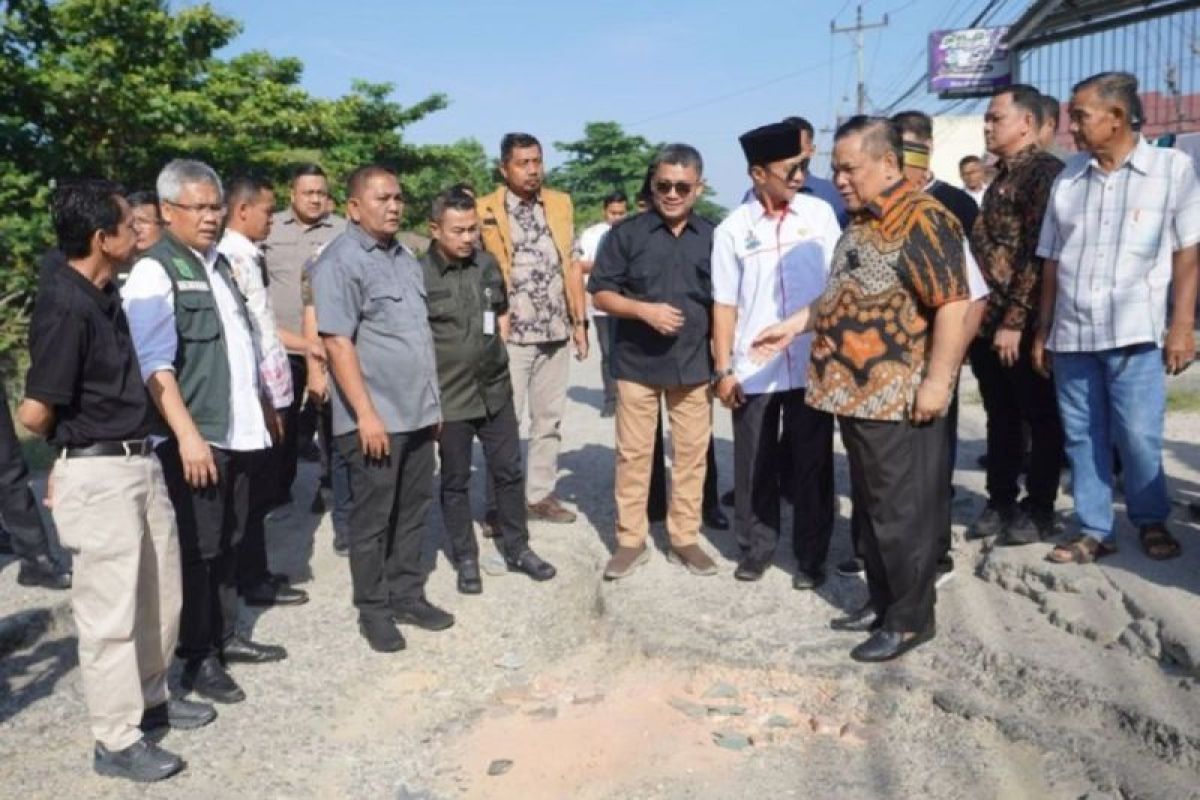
[{"x": 773, "y": 142}]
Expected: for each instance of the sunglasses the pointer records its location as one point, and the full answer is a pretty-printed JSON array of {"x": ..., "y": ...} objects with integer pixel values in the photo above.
[
  {"x": 682, "y": 188},
  {"x": 799, "y": 168}
]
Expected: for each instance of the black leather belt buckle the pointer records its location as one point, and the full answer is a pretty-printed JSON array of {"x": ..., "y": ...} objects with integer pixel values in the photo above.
[{"x": 133, "y": 447}]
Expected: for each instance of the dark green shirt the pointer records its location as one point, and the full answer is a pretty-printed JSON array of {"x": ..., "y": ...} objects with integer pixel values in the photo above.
[{"x": 472, "y": 364}]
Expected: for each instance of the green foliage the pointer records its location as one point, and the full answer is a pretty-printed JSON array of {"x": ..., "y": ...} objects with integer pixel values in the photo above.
[
  {"x": 606, "y": 159},
  {"x": 116, "y": 88}
]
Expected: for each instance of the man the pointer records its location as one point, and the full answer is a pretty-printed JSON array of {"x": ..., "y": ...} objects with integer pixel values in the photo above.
[
  {"x": 20, "y": 521},
  {"x": 974, "y": 178},
  {"x": 889, "y": 339},
  {"x": 1120, "y": 232},
  {"x": 249, "y": 203},
  {"x": 616, "y": 208},
  {"x": 297, "y": 234},
  {"x": 468, "y": 313},
  {"x": 770, "y": 258},
  {"x": 85, "y": 394},
  {"x": 1048, "y": 131},
  {"x": 147, "y": 220},
  {"x": 1004, "y": 241},
  {"x": 652, "y": 273},
  {"x": 195, "y": 348},
  {"x": 369, "y": 295},
  {"x": 529, "y": 230},
  {"x": 811, "y": 184}
]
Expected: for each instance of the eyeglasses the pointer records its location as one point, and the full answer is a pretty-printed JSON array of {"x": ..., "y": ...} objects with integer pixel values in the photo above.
[
  {"x": 682, "y": 188},
  {"x": 799, "y": 168},
  {"x": 200, "y": 208},
  {"x": 147, "y": 223}
]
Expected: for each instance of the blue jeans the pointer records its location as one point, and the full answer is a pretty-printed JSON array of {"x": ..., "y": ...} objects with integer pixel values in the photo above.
[{"x": 1106, "y": 399}]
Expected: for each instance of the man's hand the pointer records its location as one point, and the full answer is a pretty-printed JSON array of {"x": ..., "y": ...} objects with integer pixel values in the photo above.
[
  {"x": 931, "y": 402},
  {"x": 316, "y": 350},
  {"x": 373, "y": 437},
  {"x": 317, "y": 386},
  {"x": 1180, "y": 348},
  {"x": 729, "y": 392},
  {"x": 771, "y": 341},
  {"x": 580, "y": 337},
  {"x": 199, "y": 469},
  {"x": 1007, "y": 344},
  {"x": 663, "y": 317},
  {"x": 1039, "y": 355},
  {"x": 274, "y": 422}
]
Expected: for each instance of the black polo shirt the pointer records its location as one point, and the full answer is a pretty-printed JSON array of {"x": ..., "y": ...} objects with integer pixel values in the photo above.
[
  {"x": 642, "y": 259},
  {"x": 958, "y": 202},
  {"x": 82, "y": 362}
]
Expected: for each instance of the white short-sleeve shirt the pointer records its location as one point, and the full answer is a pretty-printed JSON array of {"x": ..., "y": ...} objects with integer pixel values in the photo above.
[{"x": 586, "y": 248}]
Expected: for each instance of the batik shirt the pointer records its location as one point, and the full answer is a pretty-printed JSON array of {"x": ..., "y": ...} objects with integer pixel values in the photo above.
[
  {"x": 537, "y": 296},
  {"x": 1004, "y": 240},
  {"x": 901, "y": 258}
]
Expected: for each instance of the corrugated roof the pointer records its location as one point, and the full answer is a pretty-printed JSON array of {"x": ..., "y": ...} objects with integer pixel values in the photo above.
[{"x": 1055, "y": 20}]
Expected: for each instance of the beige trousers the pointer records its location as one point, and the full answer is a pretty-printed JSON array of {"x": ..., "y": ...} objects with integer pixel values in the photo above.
[
  {"x": 114, "y": 516},
  {"x": 689, "y": 409},
  {"x": 539, "y": 374}
]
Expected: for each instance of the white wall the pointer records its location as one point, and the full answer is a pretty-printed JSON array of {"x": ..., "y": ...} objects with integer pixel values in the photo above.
[{"x": 953, "y": 138}]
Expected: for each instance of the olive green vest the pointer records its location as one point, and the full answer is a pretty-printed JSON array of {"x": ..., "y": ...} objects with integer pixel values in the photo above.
[{"x": 201, "y": 357}]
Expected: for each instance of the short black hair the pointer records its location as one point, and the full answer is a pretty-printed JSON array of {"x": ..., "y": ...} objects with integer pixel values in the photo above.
[
  {"x": 801, "y": 124},
  {"x": 244, "y": 189},
  {"x": 512, "y": 141},
  {"x": 1051, "y": 109},
  {"x": 1024, "y": 97},
  {"x": 677, "y": 154},
  {"x": 453, "y": 198},
  {"x": 306, "y": 169},
  {"x": 466, "y": 187},
  {"x": 880, "y": 136},
  {"x": 644, "y": 194},
  {"x": 962, "y": 162},
  {"x": 359, "y": 177},
  {"x": 915, "y": 123},
  {"x": 143, "y": 197},
  {"x": 80, "y": 208},
  {"x": 615, "y": 196}
]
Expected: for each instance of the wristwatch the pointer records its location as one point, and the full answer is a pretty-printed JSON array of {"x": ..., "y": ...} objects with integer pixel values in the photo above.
[
  {"x": 721, "y": 374},
  {"x": 580, "y": 323}
]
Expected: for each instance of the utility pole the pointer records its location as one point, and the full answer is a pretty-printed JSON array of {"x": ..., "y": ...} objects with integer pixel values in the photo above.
[{"x": 857, "y": 30}]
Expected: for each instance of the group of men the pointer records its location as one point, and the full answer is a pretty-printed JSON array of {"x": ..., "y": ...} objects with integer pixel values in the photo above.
[{"x": 178, "y": 402}]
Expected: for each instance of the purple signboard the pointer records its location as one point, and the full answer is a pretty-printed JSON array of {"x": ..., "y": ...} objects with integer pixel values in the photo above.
[{"x": 971, "y": 62}]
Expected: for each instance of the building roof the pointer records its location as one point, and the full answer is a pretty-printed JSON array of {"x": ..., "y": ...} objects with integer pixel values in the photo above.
[{"x": 1047, "y": 21}]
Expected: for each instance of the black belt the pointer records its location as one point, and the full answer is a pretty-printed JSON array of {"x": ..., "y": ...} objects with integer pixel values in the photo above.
[{"x": 133, "y": 447}]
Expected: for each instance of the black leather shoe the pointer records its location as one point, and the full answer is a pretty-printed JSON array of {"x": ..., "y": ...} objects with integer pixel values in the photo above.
[
  {"x": 273, "y": 593},
  {"x": 207, "y": 677},
  {"x": 715, "y": 518},
  {"x": 806, "y": 579},
  {"x": 141, "y": 762},
  {"x": 749, "y": 570},
  {"x": 422, "y": 613},
  {"x": 859, "y": 621},
  {"x": 532, "y": 565},
  {"x": 240, "y": 650},
  {"x": 381, "y": 633},
  {"x": 886, "y": 645},
  {"x": 184, "y": 715},
  {"x": 43, "y": 571},
  {"x": 469, "y": 581}
]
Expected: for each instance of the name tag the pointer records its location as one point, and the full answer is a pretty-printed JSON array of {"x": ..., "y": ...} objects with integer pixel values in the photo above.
[
  {"x": 193, "y": 286},
  {"x": 489, "y": 323}
]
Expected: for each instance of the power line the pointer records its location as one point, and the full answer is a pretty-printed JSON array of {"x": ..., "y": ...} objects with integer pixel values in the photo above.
[{"x": 857, "y": 31}]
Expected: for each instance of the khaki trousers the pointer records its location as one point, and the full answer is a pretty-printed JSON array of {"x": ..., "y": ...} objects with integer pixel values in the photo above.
[
  {"x": 539, "y": 373},
  {"x": 689, "y": 409},
  {"x": 114, "y": 516}
]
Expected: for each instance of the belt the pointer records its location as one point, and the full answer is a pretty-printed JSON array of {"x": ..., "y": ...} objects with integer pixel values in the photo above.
[{"x": 133, "y": 447}]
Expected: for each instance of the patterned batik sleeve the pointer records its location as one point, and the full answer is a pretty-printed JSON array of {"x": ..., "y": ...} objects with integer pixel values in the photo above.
[
  {"x": 932, "y": 261},
  {"x": 1024, "y": 290}
]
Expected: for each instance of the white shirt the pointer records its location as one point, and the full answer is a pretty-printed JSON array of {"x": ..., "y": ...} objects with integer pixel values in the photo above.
[
  {"x": 769, "y": 268},
  {"x": 245, "y": 260},
  {"x": 586, "y": 248},
  {"x": 977, "y": 196},
  {"x": 1114, "y": 236},
  {"x": 149, "y": 302}
]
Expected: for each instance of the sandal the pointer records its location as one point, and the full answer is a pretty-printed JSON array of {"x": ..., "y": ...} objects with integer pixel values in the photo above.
[
  {"x": 1158, "y": 543},
  {"x": 1080, "y": 550}
]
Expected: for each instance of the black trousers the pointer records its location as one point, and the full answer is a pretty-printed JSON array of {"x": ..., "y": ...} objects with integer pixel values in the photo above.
[
  {"x": 499, "y": 436},
  {"x": 19, "y": 513},
  {"x": 897, "y": 475},
  {"x": 387, "y": 516},
  {"x": 212, "y": 522},
  {"x": 656, "y": 503},
  {"x": 299, "y": 425},
  {"x": 252, "y": 566},
  {"x": 1013, "y": 396},
  {"x": 604, "y": 335},
  {"x": 760, "y": 453}
]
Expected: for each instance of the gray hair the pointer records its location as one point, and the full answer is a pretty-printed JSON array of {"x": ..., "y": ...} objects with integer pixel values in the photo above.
[
  {"x": 679, "y": 155},
  {"x": 1121, "y": 87},
  {"x": 183, "y": 171}
]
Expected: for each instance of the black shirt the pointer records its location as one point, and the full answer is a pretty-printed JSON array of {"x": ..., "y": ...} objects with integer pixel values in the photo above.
[
  {"x": 82, "y": 362},
  {"x": 641, "y": 259},
  {"x": 957, "y": 202}
]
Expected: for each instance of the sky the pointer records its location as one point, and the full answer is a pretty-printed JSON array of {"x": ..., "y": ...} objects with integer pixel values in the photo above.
[{"x": 700, "y": 72}]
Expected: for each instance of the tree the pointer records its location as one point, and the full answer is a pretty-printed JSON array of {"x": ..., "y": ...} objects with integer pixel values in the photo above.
[{"x": 606, "y": 159}]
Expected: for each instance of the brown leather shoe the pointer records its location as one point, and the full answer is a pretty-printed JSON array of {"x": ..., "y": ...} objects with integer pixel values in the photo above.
[
  {"x": 625, "y": 561},
  {"x": 693, "y": 558},
  {"x": 550, "y": 510}
]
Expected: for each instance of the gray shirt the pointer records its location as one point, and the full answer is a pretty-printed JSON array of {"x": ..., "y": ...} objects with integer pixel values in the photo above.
[
  {"x": 290, "y": 246},
  {"x": 375, "y": 296}
]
